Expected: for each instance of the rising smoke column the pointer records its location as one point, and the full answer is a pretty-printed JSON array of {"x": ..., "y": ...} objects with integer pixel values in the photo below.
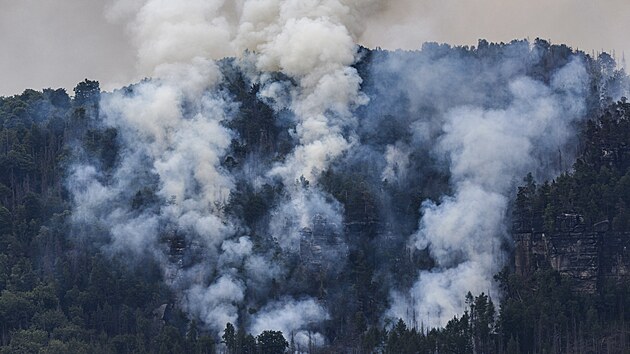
[
  {"x": 174, "y": 140},
  {"x": 173, "y": 136},
  {"x": 488, "y": 151},
  {"x": 313, "y": 43}
]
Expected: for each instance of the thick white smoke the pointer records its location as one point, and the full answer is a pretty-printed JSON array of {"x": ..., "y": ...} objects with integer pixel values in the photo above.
[
  {"x": 173, "y": 133},
  {"x": 488, "y": 152},
  {"x": 313, "y": 42},
  {"x": 293, "y": 318},
  {"x": 167, "y": 32},
  {"x": 174, "y": 137}
]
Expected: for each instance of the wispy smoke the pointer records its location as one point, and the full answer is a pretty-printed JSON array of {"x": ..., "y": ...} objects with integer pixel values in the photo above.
[
  {"x": 397, "y": 158},
  {"x": 488, "y": 151},
  {"x": 170, "y": 185},
  {"x": 173, "y": 153},
  {"x": 396, "y": 171},
  {"x": 313, "y": 43},
  {"x": 454, "y": 127},
  {"x": 174, "y": 140},
  {"x": 291, "y": 315}
]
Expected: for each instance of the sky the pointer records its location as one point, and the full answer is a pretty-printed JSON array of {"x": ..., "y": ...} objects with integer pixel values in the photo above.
[{"x": 57, "y": 43}]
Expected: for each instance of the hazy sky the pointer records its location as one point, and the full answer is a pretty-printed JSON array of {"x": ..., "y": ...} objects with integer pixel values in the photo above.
[{"x": 57, "y": 43}]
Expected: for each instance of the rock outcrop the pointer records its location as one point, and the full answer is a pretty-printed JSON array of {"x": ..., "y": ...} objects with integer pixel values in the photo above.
[{"x": 589, "y": 254}]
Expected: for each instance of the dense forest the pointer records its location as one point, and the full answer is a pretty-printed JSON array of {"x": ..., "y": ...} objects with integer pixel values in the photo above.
[{"x": 69, "y": 284}]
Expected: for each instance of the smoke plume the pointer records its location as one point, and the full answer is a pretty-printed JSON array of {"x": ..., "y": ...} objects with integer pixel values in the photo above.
[
  {"x": 306, "y": 181},
  {"x": 167, "y": 196},
  {"x": 488, "y": 151}
]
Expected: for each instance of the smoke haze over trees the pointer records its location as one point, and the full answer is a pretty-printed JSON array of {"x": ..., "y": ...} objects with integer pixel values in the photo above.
[
  {"x": 307, "y": 194},
  {"x": 356, "y": 245}
]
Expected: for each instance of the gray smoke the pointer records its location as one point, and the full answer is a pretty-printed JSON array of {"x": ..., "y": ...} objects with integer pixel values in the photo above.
[
  {"x": 173, "y": 130},
  {"x": 314, "y": 44},
  {"x": 173, "y": 136},
  {"x": 384, "y": 152},
  {"x": 488, "y": 151},
  {"x": 167, "y": 147},
  {"x": 75, "y": 47},
  {"x": 457, "y": 127},
  {"x": 286, "y": 316}
]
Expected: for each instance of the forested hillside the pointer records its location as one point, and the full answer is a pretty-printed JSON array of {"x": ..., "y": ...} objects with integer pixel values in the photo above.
[{"x": 124, "y": 231}]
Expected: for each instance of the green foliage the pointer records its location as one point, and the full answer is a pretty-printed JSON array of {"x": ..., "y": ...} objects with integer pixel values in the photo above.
[
  {"x": 58, "y": 295},
  {"x": 271, "y": 342},
  {"x": 474, "y": 331},
  {"x": 541, "y": 313},
  {"x": 229, "y": 337},
  {"x": 27, "y": 341},
  {"x": 597, "y": 189},
  {"x": 87, "y": 92}
]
